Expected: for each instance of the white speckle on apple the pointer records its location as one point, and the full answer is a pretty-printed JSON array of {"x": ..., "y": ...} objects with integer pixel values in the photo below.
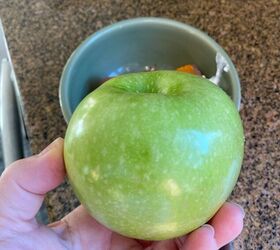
[
  {"x": 157, "y": 154},
  {"x": 167, "y": 227},
  {"x": 104, "y": 152},
  {"x": 121, "y": 161},
  {"x": 86, "y": 170},
  {"x": 119, "y": 201},
  {"x": 79, "y": 127},
  {"x": 136, "y": 133},
  {"x": 95, "y": 175},
  {"x": 172, "y": 187},
  {"x": 165, "y": 171},
  {"x": 231, "y": 172},
  {"x": 158, "y": 157},
  {"x": 98, "y": 202},
  {"x": 140, "y": 192},
  {"x": 147, "y": 177},
  {"x": 122, "y": 146},
  {"x": 90, "y": 103}
]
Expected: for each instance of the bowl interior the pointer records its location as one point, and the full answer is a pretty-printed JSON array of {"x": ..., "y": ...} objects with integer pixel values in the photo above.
[{"x": 130, "y": 46}]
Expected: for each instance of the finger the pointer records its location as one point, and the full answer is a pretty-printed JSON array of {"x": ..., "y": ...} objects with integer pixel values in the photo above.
[
  {"x": 228, "y": 223},
  {"x": 201, "y": 239},
  {"x": 82, "y": 230},
  {"x": 24, "y": 183},
  {"x": 145, "y": 243},
  {"x": 120, "y": 242},
  {"x": 163, "y": 245}
]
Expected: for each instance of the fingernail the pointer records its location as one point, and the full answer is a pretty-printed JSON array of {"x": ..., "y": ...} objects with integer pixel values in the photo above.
[
  {"x": 209, "y": 228},
  {"x": 50, "y": 146},
  {"x": 241, "y": 208}
]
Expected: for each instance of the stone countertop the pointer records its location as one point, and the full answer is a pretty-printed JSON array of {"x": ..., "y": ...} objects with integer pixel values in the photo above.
[{"x": 42, "y": 34}]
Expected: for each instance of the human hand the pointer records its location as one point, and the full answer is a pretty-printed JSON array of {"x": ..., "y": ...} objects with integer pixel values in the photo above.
[{"x": 23, "y": 186}]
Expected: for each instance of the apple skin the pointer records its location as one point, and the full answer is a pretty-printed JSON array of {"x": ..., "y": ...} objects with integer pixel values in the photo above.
[{"x": 154, "y": 155}]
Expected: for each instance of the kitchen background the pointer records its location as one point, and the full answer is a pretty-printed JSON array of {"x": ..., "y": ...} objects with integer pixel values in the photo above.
[{"x": 42, "y": 35}]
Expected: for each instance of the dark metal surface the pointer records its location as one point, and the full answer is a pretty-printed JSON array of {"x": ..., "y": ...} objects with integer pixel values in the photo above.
[{"x": 11, "y": 125}]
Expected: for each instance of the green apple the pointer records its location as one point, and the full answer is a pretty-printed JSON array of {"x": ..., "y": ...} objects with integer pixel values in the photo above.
[{"x": 154, "y": 155}]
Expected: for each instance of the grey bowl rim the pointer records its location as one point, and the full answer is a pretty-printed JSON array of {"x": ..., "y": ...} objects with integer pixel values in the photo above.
[{"x": 63, "y": 101}]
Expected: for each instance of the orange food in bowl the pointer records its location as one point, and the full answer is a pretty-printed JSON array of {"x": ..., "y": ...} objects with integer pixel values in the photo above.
[{"x": 189, "y": 68}]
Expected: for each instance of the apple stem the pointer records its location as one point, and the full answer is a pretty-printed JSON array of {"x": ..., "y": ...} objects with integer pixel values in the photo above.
[{"x": 222, "y": 66}]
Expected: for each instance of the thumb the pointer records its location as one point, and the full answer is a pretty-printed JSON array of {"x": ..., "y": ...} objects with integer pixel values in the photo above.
[{"x": 25, "y": 182}]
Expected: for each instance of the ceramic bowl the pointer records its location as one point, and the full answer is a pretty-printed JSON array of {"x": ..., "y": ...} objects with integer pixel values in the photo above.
[{"x": 131, "y": 46}]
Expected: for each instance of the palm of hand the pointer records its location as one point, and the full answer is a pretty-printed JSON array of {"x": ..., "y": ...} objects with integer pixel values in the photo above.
[{"x": 24, "y": 185}]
